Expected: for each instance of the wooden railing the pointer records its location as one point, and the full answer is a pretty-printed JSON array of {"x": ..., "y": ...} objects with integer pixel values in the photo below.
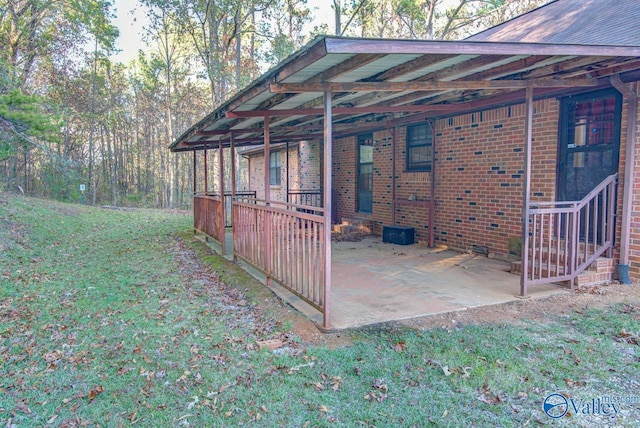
[
  {"x": 242, "y": 196},
  {"x": 564, "y": 238},
  {"x": 286, "y": 244},
  {"x": 308, "y": 197},
  {"x": 208, "y": 217}
]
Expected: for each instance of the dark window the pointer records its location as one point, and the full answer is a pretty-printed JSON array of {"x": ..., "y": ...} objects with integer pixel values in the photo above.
[
  {"x": 419, "y": 148},
  {"x": 365, "y": 173},
  {"x": 275, "y": 169}
]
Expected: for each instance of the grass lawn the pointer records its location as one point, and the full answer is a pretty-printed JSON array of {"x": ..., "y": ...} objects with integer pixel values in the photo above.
[{"x": 120, "y": 318}]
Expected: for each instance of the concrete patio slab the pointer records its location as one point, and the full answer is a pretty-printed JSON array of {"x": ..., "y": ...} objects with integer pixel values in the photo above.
[{"x": 375, "y": 282}]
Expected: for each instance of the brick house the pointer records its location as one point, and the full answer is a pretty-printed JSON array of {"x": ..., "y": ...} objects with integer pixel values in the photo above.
[
  {"x": 460, "y": 141},
  {"x": 294, "y": 172}
]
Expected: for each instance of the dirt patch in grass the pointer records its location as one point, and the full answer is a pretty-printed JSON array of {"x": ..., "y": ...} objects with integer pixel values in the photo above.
[
  {"x": 534, "y": 310},
  {"x": 298, "y": 327},
  {"x": 540, "y": 311}
]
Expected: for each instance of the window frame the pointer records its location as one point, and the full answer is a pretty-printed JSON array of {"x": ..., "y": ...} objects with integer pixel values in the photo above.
[
  {"x": 275, "y": 168},
  {"x": 410, "y": 145}
]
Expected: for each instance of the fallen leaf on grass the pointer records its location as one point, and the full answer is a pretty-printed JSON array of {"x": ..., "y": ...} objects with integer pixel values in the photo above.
[
  {"x": 375, "y": 396},
  {"x": 337, "y": 380},
  {"x": 488, "y": 397},
  {"x": 628, "y": 337},
  {"x": 52, "y": 356},
  {"x": 380, "y": 385},
  {"x": 95, "y": 392},
  {"x": 323, "y": 408},
  {"x": 571, "y": 383},
  {"x": 193, "y": 403},
  {"x": 399, "y": 346}
]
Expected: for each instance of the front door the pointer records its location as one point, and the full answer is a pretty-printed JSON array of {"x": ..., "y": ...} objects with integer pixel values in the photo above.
[
  {"x": 365, "y": 173},
  {"x": 589, "y": 142}
]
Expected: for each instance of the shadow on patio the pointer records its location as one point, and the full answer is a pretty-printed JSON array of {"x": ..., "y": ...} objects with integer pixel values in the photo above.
[{"x": 374, "y": 282}]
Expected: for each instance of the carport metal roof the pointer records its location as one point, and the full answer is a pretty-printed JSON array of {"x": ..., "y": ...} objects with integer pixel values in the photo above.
[{"x": 373, "y": 81}]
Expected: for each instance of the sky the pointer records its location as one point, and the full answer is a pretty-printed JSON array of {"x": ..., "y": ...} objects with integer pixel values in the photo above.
[{"x": 131, "y": 18}]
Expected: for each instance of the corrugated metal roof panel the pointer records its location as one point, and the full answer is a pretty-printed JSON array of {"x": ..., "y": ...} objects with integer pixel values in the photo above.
[
  {"x": 317, "y": 67},
  {"x": 375, "y": 67},
  {"x": 433, "y": 68}
]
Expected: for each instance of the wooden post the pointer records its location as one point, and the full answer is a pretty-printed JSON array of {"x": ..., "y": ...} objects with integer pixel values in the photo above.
[
  {"x": 206, "y": 172},
  {"x": 288, "y": 175},
  {"x": 528, "y": 136},
  {"x": 432, "y": 202},
  {"x": 233, "y": 193},
  {"x": 195, "y": 166},
  {"x": 393, "y": 175},
  {"x": 328, "y": 153},
  {"x": 267, "y": 200},
  {"x": 223, "y": 238}
]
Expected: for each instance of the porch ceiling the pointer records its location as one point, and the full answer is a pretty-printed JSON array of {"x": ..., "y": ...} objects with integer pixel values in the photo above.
[{"x": 374, "y": 80}]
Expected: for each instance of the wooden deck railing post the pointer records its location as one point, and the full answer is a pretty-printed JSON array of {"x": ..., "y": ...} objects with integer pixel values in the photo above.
[
  {"x": 221, "y": 210},
  {"x": 267, "y": 242},
  {"x": 233, "y": 193}
]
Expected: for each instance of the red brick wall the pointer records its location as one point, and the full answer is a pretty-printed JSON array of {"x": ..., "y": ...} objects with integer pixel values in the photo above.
[
  {"x": 634, "y": 245},
  {"x": 345, "y": 172},
  {"x": 479, "y": 177},
  {"x": 479, "y": 174}
]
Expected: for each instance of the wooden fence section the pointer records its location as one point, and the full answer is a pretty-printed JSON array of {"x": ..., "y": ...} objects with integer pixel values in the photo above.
[
  {"x": 208, "y": 217},
  {"x": 566, "y": 237},
  {"x": 287, "y": 244}
]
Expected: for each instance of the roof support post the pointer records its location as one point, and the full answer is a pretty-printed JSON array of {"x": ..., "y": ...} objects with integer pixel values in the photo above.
[
  {"x": 195, "y": 165},
  {"x": 432, "y": 201},
  {"x": 206, "y": 172},
  {"x": 232, "y": 150},
  {"x": 526, "y": 192},
  {"x": 267, "y": 201},
  {"x": 631, "y": 97},
  {"x": 393, "y": 175},
  {"x": 287, "y": 186},
  {"x": 328, "y": 155},
  {"x": 223, "y": 240}
]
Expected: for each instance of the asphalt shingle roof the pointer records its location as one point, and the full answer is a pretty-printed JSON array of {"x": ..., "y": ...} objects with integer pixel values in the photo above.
[{"x": 580, "y": 22}]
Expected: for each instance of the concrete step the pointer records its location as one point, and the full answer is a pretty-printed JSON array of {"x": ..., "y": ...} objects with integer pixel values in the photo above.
[
  {"x": 601, "y": 270},
  {"x": 355, "y": 224}
]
